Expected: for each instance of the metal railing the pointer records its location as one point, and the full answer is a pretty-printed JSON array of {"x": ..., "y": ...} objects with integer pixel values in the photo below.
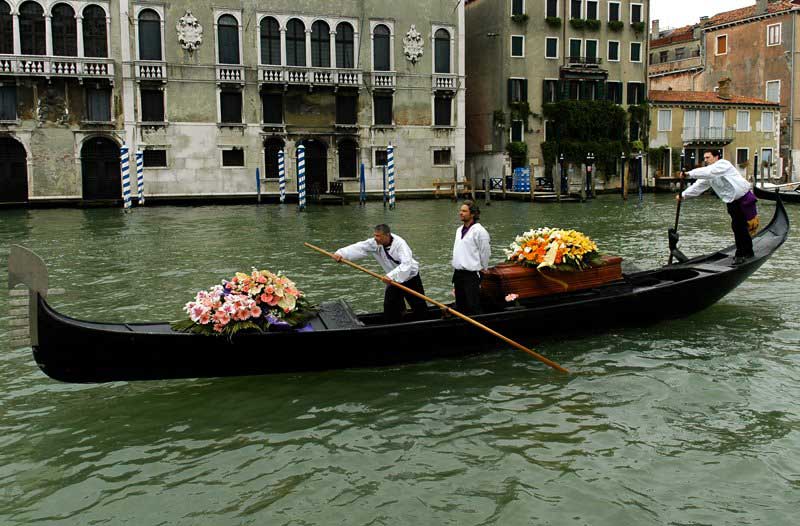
[
  {"x": 710, "y": 133},
  {"x": 584, "y": 61}
]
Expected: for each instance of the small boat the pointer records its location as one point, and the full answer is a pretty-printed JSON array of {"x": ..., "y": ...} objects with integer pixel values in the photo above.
[
  {"x": 73, "y": 350},
  {"x": 786, "y": 194}
]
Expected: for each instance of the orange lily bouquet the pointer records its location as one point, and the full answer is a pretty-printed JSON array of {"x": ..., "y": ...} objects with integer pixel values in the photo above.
[{"x": 554, "y": 248}]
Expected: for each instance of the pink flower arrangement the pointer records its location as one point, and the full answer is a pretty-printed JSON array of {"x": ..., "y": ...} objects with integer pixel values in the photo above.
[
  {"x": 511, "y": 297},
  {"x": 261, "y": 299}
]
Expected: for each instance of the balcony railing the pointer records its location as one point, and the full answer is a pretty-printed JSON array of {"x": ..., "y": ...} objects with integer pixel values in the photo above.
[
  {"x": 447, "y": 81},
  {"x": 46, "y": 66},
  {"x": 591, "y": 62},
  {"x": 383, "y": 79},
  {"x": 309, "y": 76},
  {"x": 709, "y": 134},
  {"x": 150, "y": 70},
  {"x": 230, "y": 73}
]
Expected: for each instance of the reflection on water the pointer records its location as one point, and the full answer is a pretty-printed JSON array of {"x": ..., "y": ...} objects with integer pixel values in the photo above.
[{"x": 691, "y": 421}]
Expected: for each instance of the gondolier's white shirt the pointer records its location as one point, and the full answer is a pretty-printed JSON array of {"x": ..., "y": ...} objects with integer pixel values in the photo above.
[
  {"x": 472, "y": 252},
  {"x": 726, "y": 181},
  {"x": 400, "y": 272}
]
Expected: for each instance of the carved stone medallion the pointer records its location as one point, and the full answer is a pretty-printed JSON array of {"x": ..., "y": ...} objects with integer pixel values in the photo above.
[
  {"x": 190, "y": 32},
  {"x": 412, "y": 45}
]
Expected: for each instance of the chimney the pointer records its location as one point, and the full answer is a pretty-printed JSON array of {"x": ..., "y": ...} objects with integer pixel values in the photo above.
[
  {"x": 724, "y": 89},
  {"x": 654, "y": 29},
  {"x": 761, "y": 6}
]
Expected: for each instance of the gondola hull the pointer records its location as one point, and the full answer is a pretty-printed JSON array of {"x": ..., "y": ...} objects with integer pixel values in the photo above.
[
  {"x": 787, "y": 196},
  {"x": 78, "y": 351}
]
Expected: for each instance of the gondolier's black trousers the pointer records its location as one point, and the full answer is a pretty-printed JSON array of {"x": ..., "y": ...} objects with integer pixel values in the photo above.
[
  {"x": 468, "y": 291},
  {"x": 744, "y": 243},
  {"x": 393, "y": 300}
]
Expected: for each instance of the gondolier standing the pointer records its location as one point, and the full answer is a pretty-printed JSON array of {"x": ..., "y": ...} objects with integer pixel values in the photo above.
[
  {"x": 394, "y": 256},
  {"x": 734, "y": 190},
  {"x": 471, "y": 252}
]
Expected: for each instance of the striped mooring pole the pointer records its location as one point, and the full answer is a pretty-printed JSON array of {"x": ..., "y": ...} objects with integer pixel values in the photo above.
[
  {"x": 140, "y": 177},
  {"x": 301, "y": 177},
  {"x": 282, "y": 174},
  {"x": 390, "y": 166},
  {"x": 126, "y": 175}
]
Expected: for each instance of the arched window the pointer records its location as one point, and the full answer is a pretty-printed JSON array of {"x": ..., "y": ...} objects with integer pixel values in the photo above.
[
  {"x": 149, "y": 35},
  {"x": 441, "y": 44},
  {"x": 95, "y": 40},
  {"x": 270, "y": 41},
  {"x": 380, "y": 48},
  {"x": 348, "y": 159},
  {"x": 228, "y": 39},
  {"x": 6, "y": 29},
  {"x": 344, "y": 46},
  {"x": 320, "y": 45},
  {"x": 295, "y": 43},
  {"x": 32, "y": 29},
  {"x": 64, "y": 31}
]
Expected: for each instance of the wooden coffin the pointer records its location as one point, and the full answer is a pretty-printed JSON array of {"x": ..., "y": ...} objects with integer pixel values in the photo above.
[{"x": 527, "y": 282}]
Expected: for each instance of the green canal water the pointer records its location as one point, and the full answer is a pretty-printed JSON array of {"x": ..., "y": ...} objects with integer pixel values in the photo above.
[{"x": 687, "y": 422}]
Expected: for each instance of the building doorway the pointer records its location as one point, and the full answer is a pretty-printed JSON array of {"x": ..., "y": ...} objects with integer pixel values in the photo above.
[
  {"x": 100, "y": 169},
  {"x": 348, "y": 159},
  {"x": 316, "y": 167},
  {"x": 272, "y": 147},
  {"x": 13, "y": 171}
]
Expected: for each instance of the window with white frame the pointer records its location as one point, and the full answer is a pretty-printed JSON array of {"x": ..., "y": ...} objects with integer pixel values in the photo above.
[
  {"x": 551, "y": 9},
  {"x": 64, "y": 31},
  {"x": 637, "y": 12},
  {"x": 98, "y": 104},
  {"x": 95, "y": 38},
  {"x": 613, "y": 51},
  {"x": 575, "y": 49},
  {"x": 441, "y": 51},
  {"x": 517, "y": 46},
  {"x": 32, "y": 29},
  {"x": 228, "y": 39},
  {"x": 774, "y": 90},
  {"x": 270, "y": 33},
  {"x": 614, "y": 12},
  {"x": 551, "y": 47},
  {"x": 592, "y": 10},
  {"x": 442, "y": 157},
  {"x": 722, "y": 45},
  {"x": 550, "y": 91},
  {"x": 591, "y": 51},
  {"x": 517, "y": 7},
  {"x": 6, "y": 29},
  {"x": 149, "y": 32},
  {"x": 576, "y": 9},
  {"x": 517, "y": 90},
  {"x": 345, "y": 46},
  {"x": 664, "y": 120},
  {"x": 381, "y": 48},
  {"x": 766, "y": 157},
  {"x": 742, "y": 156},
  {"x": 230, "y": 106},
  {"x": 773, "y": 34},
  {"x": 516, "y": 131},
  {"x": 233, "y": 157},
  {"x": 767, "y": 121},
  {"x": 636, "y": 51},
  {"x": 742, "y": 121}
]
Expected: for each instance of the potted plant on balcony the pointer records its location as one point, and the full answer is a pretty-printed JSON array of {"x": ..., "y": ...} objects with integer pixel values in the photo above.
[
  {"x": 553, "y": 21},
  {"x": 638, "y": 26},
  {"x": 520, "y": 18},
  {"x": 615, "y": 25},
  {"x": 593, "y": 24},
  {"x": 577, "y": 23}
]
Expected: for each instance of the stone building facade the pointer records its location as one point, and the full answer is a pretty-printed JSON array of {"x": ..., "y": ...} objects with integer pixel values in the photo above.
[
  {"x": 212, "y": 92},
  {"x": 675, "y": 58}
]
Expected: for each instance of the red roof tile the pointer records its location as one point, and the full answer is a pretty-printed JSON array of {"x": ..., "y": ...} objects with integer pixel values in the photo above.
[
  {"x": 681, "y": 34},
  {"x": 703, "y": 97},
  {"x": 747, "y": 12}
]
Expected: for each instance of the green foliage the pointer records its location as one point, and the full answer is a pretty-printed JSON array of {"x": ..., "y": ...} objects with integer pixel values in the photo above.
[
  {"x": 499, "y": 119},
  {"x": 586, "y": 120},
  {"x": 640, "y": 113},
  {"x": 657, "y": 155},
  {"x": 517, "y": 149},
  {"x": 521, "y": 111},
  {"x": 520, "y": 18},
  {"x": 676, "y": 159},
  {"x": 637, "y": 146},
  {"x": 606, "y": 153},
  {"x": 594, "y": 25},
  {"x": 553, "y": 21},
  {"x": 638, "y": 26},
  {"x": 577, "y": 23},
  {"x": 616, "y": 25}
]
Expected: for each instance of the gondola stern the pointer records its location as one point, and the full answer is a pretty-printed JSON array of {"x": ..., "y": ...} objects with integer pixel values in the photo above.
[{"x": 26, "y": 268}]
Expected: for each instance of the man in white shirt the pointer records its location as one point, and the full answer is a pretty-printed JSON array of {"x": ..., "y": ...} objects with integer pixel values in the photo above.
[
  {"x": 394, "y": 256},
  {"x": 734, "y": 190},
  {"x": 471, "y": 252}
]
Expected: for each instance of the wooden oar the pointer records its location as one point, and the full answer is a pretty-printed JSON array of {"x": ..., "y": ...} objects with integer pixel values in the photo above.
[{"x": 442, "y": 306}]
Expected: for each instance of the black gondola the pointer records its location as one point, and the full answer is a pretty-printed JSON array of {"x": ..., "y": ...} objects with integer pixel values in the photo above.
[
  {"x": 80, "y": 351},
  {"x": 787, "y": 196}
]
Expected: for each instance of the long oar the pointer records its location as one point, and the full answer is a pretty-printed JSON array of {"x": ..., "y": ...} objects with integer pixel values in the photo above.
[
  {"x": 536, "y": 355},
  {"x": 677, "y": 211}
]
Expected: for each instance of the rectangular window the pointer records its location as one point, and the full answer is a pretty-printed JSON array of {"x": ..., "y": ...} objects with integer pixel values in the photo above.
[
  {"x": 346, "y": 109},
  {"x": 742, "y": 156},
  {"x": 272, "y": 106},
  {"x": 98, "y": 105},
  {"x": 382, "y": 105},
  {"x": 591, "y": 10},
  {"x": 550, "y": 93},
  {"x": 8, "y": 103},
  {"x": 742, "y": 121},
  {"x": 576, "y": 8},
  {"x": 549, "y": 130},
  {"x": 614, "y": 92},
  {"x": 613, "y": 51},
  {"x": 773, "y": 34},
  {"x": 381, "y": 157},
  {"x": 152, "y": 105},
  {"x": 614, "y": 14},
  {"x": 664, "y": 120},
  {"x": 516, "y": 131},
  {"x": 517, "y": 7},
  {"x": 442, "y": 110},
  {"x": 552, "y": 9},
  {"x": 441, "y": 157},
  {"x": 636, "y": 13},
  {"x": 573, "y": 89},
  {"x": 517, "y": 46},
  {"x": 722, "y": 45},
  {"x": 230, "y": 107},
  {"x": 766, "y": 157},
  {"x": 575, "y": 50},
  {"x": 233, "y": 157},
  {"x": 767, "y": 122},
  {"x": 662, "y": 56},
  {"x": 591, "y": 51},
  {"x": 636, "y": 51},
  {"x": 551, "y": 47},
  {"x": 635, "y": 93},
  {"x": 517, "y": 90},
  {"x": 774, "y": 90},
  {"x": 154, "y": 158},
  {"x": 680, "y": 53}
]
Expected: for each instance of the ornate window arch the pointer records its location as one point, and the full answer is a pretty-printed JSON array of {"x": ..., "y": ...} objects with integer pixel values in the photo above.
[
  {"x": 64, "y": 30},
  {"x": 345, "y": 46},
  {"x": 270, "y": 34},
  {"x": 381, "y": 48},
  {"x": 149, "y": 34},
  {"x": 95, "y": 31},
  {"x": 320, "y": 44},
  {"x": 32, "y": 28},
  {"x": 295, "y": 43},
  {"x": 228, "y": 39}
]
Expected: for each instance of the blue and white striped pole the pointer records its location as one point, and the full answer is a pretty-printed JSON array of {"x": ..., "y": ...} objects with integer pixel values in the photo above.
[
  {"x": 282, "y": 174},
  {"x": 390, "y": 163},
  {"x": 140, "y": 176},
  {"x": 301, "y": 177},
  {"x": 126, "y": 175}
]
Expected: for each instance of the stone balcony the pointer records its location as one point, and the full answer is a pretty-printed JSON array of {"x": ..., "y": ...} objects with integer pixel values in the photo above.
[
  {"x": 384, "y": 79},
  {"x": 46, "y": 66},
  {"x": 444, "y": 81},
  {"x": 230, "y": 73},
  {"x": 150, "y": 70},
  {"x": 298, "y": 75}
]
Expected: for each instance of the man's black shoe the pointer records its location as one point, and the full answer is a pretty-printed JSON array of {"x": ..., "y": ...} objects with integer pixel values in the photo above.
[{"x": 738, "y": 260}]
